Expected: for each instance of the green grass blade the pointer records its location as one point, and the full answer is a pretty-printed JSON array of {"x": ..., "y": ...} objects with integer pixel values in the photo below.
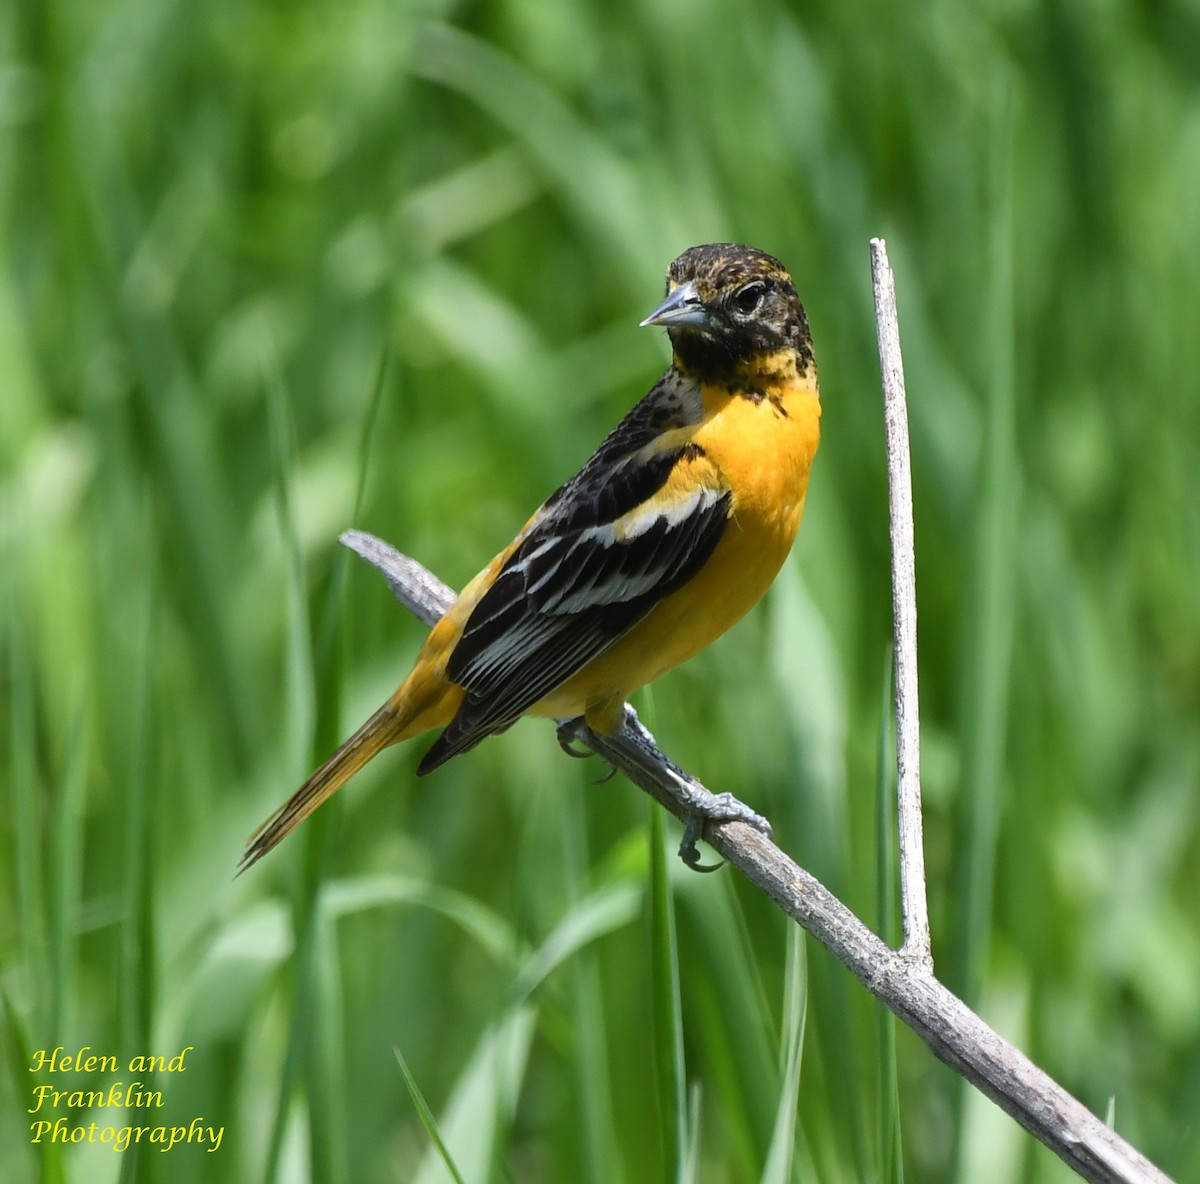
[
  {"x": 300, "y": 709},
  {"x": 598, "y": 1160},
  {"x": 479, "y": 1113},
  {"x": 66, "y": 864},
  {"x": 329, "y": 651},
  {"x": 735, "y": 1025},
  {"x": 812, "y": 680},
  {"x": 988, "y": 646},
  {"x": 325, "y": 1074},
  {"x": 27, "y": 845},
  {"x": 367, "y": 435},
  {"x": 669, "y": 1059},
  {"x": 778, "y": 1169},
  {"x": 602, "y": 911},
  {"x": 887, "y": 1087},
  {"x": 136, "y": 990},
  {"x": 20, "y": 1050},
  {"x": 428, "y": 1121},
  {"x": 493, "y": 933}
]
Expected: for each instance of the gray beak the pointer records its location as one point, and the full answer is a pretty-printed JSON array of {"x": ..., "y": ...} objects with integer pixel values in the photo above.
[{"x": 681, "y": 307}]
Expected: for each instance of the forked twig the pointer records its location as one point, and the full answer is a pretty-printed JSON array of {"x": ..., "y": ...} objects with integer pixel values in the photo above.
[{"x": 904, "y": 984}]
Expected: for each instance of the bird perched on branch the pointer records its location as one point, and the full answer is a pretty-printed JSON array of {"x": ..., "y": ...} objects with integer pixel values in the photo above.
[{"x": 668, "y": 535}]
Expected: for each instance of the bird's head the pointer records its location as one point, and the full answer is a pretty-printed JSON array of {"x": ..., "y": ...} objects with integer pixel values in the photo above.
[{"x": 728, "y": 306}]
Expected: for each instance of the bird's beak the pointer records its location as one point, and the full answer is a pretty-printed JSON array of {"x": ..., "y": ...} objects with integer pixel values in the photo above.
[{"x": 682, "y": 306}]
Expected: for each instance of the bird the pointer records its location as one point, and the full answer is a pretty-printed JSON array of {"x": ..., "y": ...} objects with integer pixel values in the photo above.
[{"x": 669, "y": 534}]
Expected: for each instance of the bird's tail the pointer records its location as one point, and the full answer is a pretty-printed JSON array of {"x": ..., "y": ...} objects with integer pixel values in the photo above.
[{"x": 385, "y": 727}]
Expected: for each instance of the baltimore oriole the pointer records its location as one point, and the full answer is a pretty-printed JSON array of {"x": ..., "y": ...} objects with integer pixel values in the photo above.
[{"x": 668, "y": 535}]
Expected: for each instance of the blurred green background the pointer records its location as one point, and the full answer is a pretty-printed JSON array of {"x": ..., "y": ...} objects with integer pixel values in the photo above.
[{"x": 270, "y": 270}]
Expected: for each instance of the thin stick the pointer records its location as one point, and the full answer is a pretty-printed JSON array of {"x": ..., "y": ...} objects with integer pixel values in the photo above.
[
  {"x": 904, "y": 611},
  {"x": 904, "y": 984}
]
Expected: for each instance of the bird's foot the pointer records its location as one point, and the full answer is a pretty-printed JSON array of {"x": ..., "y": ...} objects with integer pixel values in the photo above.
[
  {"x": 701, "y": 805},
  {"x": 704, "y": 807}
]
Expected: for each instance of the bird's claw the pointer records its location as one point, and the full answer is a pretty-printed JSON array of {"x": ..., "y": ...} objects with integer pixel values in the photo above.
[
  {"x": 688, "y": 851},
  {"x": 567, "y": 741},
  {"x": 713, "y": 807},
  {"x": 565, "y": 732}
]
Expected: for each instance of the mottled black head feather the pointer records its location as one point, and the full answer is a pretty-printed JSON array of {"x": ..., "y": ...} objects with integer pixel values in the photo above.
[{"x": 751, "y": 310}]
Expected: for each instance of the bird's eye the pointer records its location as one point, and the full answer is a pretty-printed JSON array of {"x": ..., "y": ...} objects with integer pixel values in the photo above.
[{"x": 746, "y": 300}]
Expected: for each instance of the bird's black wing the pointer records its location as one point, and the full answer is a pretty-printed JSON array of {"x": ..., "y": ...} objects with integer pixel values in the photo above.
[{"x": 599, "y": 555}]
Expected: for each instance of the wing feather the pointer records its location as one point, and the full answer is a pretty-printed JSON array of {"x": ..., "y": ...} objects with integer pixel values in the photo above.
[{"x": 634, "y": 524}]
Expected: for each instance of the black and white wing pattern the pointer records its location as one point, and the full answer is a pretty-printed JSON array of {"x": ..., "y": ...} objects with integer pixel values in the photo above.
[{"x": 635, "y": 524}]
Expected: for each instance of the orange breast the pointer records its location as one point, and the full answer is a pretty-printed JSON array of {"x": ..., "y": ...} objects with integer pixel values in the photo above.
[{"x": 763, "y": 452}]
